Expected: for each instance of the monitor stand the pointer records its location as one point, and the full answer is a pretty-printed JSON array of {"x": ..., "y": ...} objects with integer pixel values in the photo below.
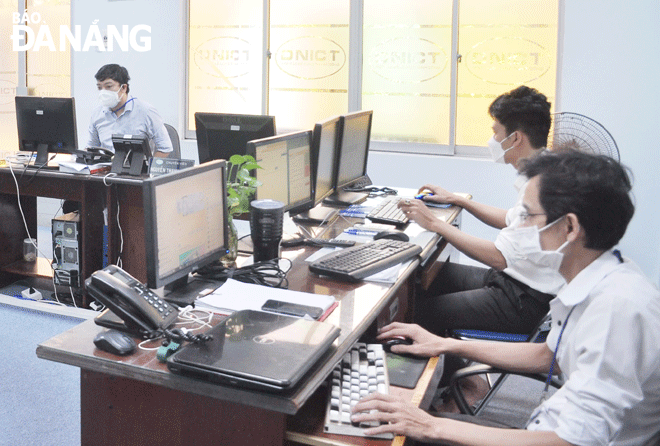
[
  {"x": 42, "y": 155},
  {"x": 345, "y": 198},
  {"x": 129, "y": 162},
  {"x": 319, "y": 215}
]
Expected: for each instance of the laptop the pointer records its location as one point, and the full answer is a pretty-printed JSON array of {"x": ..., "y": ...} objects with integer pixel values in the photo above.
[{"x": 256, "y": 350}]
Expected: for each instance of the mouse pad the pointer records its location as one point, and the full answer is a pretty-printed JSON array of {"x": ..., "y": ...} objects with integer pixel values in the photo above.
[{"x": 404, "y": 371}]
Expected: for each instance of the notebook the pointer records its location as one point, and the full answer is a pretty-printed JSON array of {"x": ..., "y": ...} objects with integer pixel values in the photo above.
[{"x": 256, "y": 350}]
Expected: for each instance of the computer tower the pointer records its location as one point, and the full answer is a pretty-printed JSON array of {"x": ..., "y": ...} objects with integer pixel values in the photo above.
[{"x": 66, "y": 249}]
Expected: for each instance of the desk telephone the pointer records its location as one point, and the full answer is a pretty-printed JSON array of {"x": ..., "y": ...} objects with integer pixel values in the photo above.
[{"x": 142, "y": 311}]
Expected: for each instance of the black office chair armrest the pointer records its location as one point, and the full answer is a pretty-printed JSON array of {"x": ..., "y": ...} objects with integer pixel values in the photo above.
[{"x": 481, "y": 369}]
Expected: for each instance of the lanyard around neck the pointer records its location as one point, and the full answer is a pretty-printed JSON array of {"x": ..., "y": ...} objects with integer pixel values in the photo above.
[{"x": 544, "y": 394}]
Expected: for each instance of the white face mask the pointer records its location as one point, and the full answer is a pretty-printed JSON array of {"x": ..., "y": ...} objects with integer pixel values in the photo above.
[
  {"x": 109, "y": 98},
  {"x": 496, "y": 150},
  {"x": 521, "y": 246}
]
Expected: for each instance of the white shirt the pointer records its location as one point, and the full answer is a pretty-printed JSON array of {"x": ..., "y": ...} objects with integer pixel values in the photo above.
[
  {"x": 609, "y": 355},
  {"x": 139, "y": 119}
]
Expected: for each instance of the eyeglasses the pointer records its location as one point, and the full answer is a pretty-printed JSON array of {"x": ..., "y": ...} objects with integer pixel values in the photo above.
[{"x": 524, "y": 215}]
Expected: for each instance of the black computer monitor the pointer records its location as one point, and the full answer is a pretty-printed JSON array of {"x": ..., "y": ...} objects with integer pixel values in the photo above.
[
  {"x": 351, "y": 169},
  {"x": 325, "y": 146},
  {"x": 46, "y": 125},
  {"x": 286, "y": 169},
  {"x": 221, "y": 135},
  {"x": 186, "y": 222}
]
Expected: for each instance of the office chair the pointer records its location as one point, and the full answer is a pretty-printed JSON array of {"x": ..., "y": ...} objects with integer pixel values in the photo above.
[
  {"x": 539, "y": 334},
  {"x": 176, "y": 142}
]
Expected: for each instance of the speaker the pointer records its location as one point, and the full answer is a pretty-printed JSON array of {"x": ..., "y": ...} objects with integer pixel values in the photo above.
[{"x": 66, "y": 249}]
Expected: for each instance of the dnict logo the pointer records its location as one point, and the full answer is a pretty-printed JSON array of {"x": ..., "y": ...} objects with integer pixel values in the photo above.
[
  {"x": 7, "y": 91},
  {"x": 224, "y": 57},
  {"x": 508, "y": 60},
  {"x": 310, "y": 57},
  {"x": 408, "y": 60}
]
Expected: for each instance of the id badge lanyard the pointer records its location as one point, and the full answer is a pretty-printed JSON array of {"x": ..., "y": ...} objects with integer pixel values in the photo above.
[{"x": 544, "y": 394}]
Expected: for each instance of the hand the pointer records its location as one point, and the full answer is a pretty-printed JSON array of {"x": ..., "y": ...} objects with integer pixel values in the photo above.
[
  {"x": 425, "y": 344},
  {"x": 440, "y": 195},
  {"x": 416, "y": 210},
  {"x": 401, "y": 417}
]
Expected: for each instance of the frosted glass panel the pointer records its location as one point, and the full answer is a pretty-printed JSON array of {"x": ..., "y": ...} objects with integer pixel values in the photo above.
[
  {"x": 48, "y": 72},
  {"x": 504, "y": 44},
  {"x": 8, "y": 79},
  {"x": 308, "y": 71},
  {"x": 406, "y": 69},
  {"x": 225, "y": 57}
]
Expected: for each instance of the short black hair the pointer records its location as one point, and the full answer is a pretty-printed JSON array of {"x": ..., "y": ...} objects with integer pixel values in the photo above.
[
  {"x": 596, "y": 188},
  {"x": 114, "y": 72},
  {"x": 524, "y": 109}
]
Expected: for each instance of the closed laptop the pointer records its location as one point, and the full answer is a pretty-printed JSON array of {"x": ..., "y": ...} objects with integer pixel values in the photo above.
[{"x": 257, "y": 350}]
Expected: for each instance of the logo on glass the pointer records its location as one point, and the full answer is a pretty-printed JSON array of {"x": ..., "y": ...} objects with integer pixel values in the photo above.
[
  {"x": 310, "y": 57},
  {"x": 408, "y": 60},
  {"x": 508, "y": 60},
  {"x": 223, "y": 57}
]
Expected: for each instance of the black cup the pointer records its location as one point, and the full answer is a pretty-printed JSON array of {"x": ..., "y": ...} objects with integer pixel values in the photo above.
[{"x": 266, "y": 222}]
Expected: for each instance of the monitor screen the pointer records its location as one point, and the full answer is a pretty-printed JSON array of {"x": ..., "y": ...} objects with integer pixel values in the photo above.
[
  {"x": 185, "y": 222},
  {"x": 355, "y": 131},
  {"x": 324, "y": 155},
  {"x": 221, "y": 135},
  {"x": 286, "y": 169},
  {"x": 46, "y": 125}
]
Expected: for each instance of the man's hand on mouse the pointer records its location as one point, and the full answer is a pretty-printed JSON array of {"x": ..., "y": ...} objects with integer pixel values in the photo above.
[{"x": 424, "y": 343}]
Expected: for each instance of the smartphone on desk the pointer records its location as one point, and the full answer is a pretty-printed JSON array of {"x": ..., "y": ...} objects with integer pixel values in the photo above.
[{"x": 291, "y": 309}]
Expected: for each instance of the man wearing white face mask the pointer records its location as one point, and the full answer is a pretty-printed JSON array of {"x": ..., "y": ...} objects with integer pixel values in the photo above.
[
  {"x": 506, "y": 297},
  {"x": 121, "y": 113},
  {"x": 605, "y": 325}
]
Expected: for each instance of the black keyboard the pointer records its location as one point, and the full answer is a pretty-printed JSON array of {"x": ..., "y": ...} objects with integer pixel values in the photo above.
[
  {"x": 387, "y": 212},
  {"x": 356, "y": 263}
]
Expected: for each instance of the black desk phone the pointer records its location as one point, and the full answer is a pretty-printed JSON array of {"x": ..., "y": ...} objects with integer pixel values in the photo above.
[{"x": 143, "y": 312}]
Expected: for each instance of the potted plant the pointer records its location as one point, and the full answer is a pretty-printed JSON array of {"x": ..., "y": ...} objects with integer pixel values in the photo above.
[{"x": 241, "y": 186}]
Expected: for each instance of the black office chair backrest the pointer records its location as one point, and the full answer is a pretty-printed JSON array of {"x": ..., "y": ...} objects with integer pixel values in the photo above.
[{"x": 176, "y": 143}]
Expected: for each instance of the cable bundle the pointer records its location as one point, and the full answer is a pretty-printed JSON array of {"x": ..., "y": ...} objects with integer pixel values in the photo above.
[{"x": 266, "y": 273}]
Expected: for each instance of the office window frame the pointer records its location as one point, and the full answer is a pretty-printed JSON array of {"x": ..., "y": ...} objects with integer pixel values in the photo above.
[{"x": 355, "y": 67}]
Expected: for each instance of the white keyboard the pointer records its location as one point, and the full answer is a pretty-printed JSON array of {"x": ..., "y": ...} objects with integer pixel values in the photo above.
[{"x": 361, "y": 371}]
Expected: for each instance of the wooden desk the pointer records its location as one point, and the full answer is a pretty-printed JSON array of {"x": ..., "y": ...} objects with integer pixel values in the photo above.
[
  {"x": 136, "y": 400},
  {"x": 92, "y": 193}
]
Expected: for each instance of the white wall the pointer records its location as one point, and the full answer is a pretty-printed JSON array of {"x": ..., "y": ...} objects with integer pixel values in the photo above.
[{"x": 610, "y": 71}]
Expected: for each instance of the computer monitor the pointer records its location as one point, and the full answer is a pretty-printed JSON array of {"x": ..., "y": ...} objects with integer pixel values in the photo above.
[
  {"x": 325, "y": 146},
  {"x": 186, "y": 222},
  {"x": 221, "y": 135},
  {"x": 286, "y": 169},
  {"x": 354, "y": 136},
  {"x": 46, "y": 125}
]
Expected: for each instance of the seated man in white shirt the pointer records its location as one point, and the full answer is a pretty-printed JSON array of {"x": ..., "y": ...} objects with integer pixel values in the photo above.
[
  {"x": 120, "y": 113},
  {"x": 605, "y": 324}
]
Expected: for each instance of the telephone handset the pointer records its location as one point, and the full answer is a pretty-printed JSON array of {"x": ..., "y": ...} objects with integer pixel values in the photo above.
[{"x": 140, "y": 308}]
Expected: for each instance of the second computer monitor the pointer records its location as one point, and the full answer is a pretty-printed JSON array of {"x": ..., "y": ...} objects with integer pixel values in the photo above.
[
  {"x": 221, "y": 135},
  {"x": 353, "y": 148},
  {"x": 46, "y": 125},
  {"x": 286, "y": 169},
  {"x": 325, "y": 146}
]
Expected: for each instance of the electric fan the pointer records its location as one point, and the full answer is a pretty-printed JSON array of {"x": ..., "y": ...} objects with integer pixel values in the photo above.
[{"x": 579, "y": 132}]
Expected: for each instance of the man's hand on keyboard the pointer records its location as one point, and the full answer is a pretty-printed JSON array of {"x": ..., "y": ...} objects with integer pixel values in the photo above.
[
  {"x": 416, "y": 210},
  {"x": 425, "y": 343},
  {"x": 399, "y": 417}
]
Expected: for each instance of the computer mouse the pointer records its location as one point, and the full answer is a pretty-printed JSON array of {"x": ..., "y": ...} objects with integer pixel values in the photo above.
[
  {"x": 392, "y": 235},
  {"x": 387, "y": 345},
  {"x": 115, "y": 342}
]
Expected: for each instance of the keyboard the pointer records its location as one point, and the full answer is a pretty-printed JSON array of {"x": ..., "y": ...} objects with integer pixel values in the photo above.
[
  {"x": 362, "y": 371},
  {"x": 387, "y": 212},
  {"x": 356, "y": 263}
]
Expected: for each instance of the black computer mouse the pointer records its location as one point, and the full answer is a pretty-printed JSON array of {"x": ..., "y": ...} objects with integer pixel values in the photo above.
[
  {"x": 387, "y": 345},
  {"x": 392, "y": 235},
  {"x": 115, "y": 342}
]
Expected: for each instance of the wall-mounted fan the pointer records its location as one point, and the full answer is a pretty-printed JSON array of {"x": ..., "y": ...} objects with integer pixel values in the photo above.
[{"x": 579, "y": 132}]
